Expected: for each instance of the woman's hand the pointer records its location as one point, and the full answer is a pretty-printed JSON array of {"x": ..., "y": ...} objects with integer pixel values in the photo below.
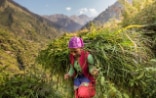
[{"x": 66, "y": 76}]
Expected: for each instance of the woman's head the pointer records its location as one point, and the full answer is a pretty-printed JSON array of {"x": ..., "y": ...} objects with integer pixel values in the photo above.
[
  {"x": 75, "y": 45},
  {"x": 75, "y": 42},
  {"x": 76, "y": 52}
]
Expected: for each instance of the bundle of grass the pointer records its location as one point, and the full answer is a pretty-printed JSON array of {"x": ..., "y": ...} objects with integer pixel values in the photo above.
[
  {"x": 141, "y": 13},
  {"x": 120, "y": 55}
]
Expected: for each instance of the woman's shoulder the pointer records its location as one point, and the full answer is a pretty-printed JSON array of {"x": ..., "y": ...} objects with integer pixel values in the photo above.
[
  {"x": 90, "y": 56},
  {"x": 90, "y": 59}
]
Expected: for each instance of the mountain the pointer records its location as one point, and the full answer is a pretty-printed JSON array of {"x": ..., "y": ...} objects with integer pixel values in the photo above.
[
  {"x": 64, "y": 21},
  {"x": 113, "y": 11},
  {"x": 81, "y": 19},
  {"x": 26, "y": 24},
  {"x": 69, "y": 23},
  {"x": 22, "y": 35}
]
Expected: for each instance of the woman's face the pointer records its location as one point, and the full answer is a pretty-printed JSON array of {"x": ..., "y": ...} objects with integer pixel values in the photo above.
[{"x": 75, "y": 51}]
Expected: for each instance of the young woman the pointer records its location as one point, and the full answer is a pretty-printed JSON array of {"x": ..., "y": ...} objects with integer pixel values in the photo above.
[{"x": 82, "y": 69}]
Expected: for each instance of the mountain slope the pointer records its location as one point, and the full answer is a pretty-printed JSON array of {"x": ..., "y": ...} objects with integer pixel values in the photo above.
[
  {"x": 64, "y": 21},
  {"x": 113, "y": 11},
  {"x": 23, "y": 22},
  {"x": 22, "y": 35},
  {"x": 81, "y": 19},
  {"x": 69, "y": 23},
  {"x": 16, "y": 53}
]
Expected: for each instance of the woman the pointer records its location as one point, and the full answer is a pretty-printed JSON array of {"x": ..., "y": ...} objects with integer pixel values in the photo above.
[{"x": 82, "y": 69}]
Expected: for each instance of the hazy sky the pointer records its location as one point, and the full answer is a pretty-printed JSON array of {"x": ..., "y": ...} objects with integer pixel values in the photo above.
[{"x": 67, "y": 7}]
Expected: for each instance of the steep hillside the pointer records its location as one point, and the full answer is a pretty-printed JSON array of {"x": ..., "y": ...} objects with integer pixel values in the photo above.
[
  {"x": 142, "y": 14},
  {"x": 22, "y": 35},
  {"x": 24, "y": 23},
  {"x": 20, "y": 77},
  {"x": 113, "y": 11},
  {"x": 16, "y": 53}
]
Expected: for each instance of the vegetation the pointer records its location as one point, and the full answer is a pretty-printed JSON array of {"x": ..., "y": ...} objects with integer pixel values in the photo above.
[
  {"x": 125, "y": 54},
  {"x": 22, "y": 35},
  {"x": 33, "y": 83},
  {"x": 20, "y": 77},
  {"x": 16, "y": 51},
  {"x": 142, "y": 14},
  {"x": 122, "y": 58},
  {"x": 136, "y": 12}
]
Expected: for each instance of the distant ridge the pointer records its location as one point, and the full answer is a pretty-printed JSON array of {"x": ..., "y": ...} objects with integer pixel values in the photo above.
[
  {"x": 113, "y": 11},
  {"x": 69, "y": 23}
]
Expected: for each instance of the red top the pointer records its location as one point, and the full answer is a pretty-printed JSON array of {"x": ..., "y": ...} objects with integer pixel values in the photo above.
[{"x": 84, "y": 65}]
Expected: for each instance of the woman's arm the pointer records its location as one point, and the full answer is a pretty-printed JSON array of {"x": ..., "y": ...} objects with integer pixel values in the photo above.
[
  {"x": 70, "y": 72},
  {"x": 91, "y": 65}
]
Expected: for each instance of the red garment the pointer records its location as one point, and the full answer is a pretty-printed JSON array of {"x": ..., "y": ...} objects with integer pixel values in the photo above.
[
  {"x": 83, "y": 90},
  {"x": 86, "y": 91},
  {"x": 84, "y": 65}
]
